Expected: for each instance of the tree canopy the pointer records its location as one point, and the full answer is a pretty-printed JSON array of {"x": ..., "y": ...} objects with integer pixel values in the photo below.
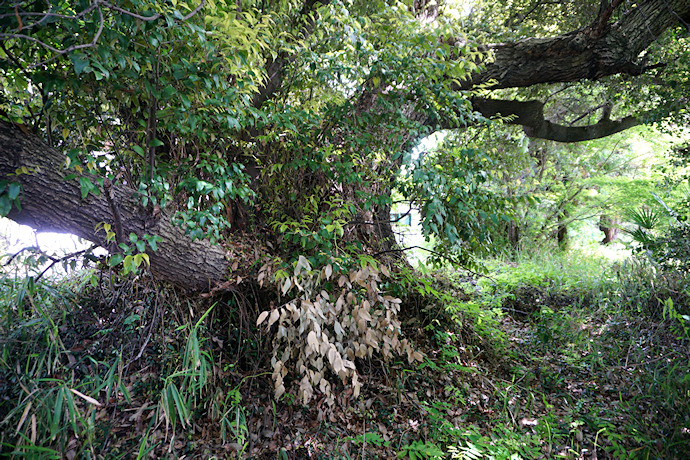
[{"x": 175, "y": 129}]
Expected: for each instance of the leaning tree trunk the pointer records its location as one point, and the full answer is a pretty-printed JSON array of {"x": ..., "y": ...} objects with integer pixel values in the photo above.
[{"x": 50, "y": 202}]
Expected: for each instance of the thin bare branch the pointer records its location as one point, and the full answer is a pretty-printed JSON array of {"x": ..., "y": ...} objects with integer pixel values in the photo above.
[
  {"x": 16, "y": 254},
  {"x": 682, "y": 21},
  {"x": 130, "y": 13},
  {"x": 591, "y": 111},
  {"x": 195, "y": 10},
  {"x": 149, "y": 18},
  {"x": 55, "y": 260},
  {"x": 48, "y": 14},
  {"x": 4, "y": 36}
]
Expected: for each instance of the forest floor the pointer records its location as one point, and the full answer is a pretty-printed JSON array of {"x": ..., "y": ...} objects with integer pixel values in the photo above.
[
  {"x": 566, "y": 385},
  {"x": 526, "y": 368}
]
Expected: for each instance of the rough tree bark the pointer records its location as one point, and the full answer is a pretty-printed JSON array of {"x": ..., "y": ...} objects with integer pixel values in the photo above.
[
  {"x": 597, "y": 51},
  {"x": 51, "y": 203},
  {"x": 600, "y": 50}
]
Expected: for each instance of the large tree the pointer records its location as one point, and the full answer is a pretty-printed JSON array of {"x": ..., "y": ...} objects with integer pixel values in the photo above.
[{"x": 285, "y": 124}]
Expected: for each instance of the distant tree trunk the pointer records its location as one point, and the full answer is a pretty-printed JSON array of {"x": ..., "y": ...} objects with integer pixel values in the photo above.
[
  {"x": 608, "y": 225},
  {"x": 562, "y": 231},
  {"x": 513, "y": 234},
  {"x": 562, "y": 217}
]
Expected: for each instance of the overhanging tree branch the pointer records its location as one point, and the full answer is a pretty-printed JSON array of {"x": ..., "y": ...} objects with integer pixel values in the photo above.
[
  {"x": 530, "y": 114},
  {"x": 595, "y": 52},
  {"x": 592, "y": 53}
]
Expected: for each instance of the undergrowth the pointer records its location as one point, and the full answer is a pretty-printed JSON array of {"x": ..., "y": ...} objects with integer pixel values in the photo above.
[
  {"x": 545, "y": 357},
  {"x": 123, "y": 369},
  {"x": 599, "y": 355}
]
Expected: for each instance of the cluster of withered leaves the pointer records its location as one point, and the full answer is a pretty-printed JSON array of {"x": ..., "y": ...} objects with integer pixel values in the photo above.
[{"x": 320, "y": 334}]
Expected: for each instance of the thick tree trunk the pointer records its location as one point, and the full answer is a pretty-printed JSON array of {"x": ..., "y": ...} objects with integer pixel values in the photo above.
[
  {"x": 592, "y": 53},
  {"x": 49, "y": 202}
]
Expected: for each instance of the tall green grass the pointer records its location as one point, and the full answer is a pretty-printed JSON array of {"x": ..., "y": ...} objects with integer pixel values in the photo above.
[
  {"x": 69, "y": 358},
  {"x": 51, "y": 396}
]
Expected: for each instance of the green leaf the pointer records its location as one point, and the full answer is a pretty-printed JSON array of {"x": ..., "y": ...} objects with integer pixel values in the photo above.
[
  {"x": 115, "y": 260},
  {"x": 129, "y": 264},
  {"x": 57, "y": 413},
  {"x": 13, "y": 191},
  {"x": 179, "y": 404},
  {"x": 5, "y": 205},
  {"x": 142, "y": 257},
  {"x": 169, "y": 91},
  {"x": 153, "y": 243},
  {"x": 80, "y": 62},
  {"x": 169, "y": 405},
  {"x": 86, "y": 186}
]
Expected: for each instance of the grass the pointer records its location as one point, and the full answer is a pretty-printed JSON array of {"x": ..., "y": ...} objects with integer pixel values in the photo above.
[
  {"x": 594, "y": 351},
  {"x": 91, "y": 373},
  {"x": 547, "y": 357}
]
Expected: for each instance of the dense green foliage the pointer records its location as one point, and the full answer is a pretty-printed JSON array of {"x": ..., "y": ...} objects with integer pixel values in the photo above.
[
  {"x": 449, "y": 187},
  {"x": 172, "y": 104},
  {"x": 184, "y": 105},
  {"x": 153, "y": 98},
  {"x": 283, "y": 131}
]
